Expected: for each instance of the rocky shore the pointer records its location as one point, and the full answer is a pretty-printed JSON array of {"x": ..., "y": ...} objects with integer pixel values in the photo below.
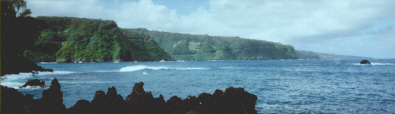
[
  {"x": 15, "y": 65},
  {"x": 230, "y": 101}
]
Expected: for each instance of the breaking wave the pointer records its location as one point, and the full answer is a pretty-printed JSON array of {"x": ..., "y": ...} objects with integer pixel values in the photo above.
[
  {"x": 144, "y": 67},
  {"x": 375, "y": 64},
  {"x": 17, "y": 80}
]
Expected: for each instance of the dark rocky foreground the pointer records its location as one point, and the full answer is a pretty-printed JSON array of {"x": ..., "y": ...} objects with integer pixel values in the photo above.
[
  {"x": 232, "y": 101},
  {"x": 15, "y": 65}
]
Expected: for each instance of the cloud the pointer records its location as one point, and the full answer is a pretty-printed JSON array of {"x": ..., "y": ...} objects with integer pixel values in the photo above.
[{"x": 341, "y": 27}]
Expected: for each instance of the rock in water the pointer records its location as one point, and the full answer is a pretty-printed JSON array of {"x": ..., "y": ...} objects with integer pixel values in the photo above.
[
  {"x": 365, "y": 62},
  {"x": 34, "y": 82}
]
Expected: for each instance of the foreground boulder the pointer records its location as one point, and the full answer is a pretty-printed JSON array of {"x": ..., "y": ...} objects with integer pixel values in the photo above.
[
  {"x": 142, "y": 102},
  {"x": 34, "y": 82},
  {"x": 11, "y": 101},
  {"x": 364, "y": 62},
  {"x": 232, "y": 101}
]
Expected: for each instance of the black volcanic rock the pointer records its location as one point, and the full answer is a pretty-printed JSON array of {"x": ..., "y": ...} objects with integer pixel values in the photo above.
[
  {"x": 50, "y": 103},
  {"x": 236, "y": 100},
  {"x": 82, "y": 107},
  {"x": 142, "y": 102},
  {"x": 364, "y": 62},
  {"x": 178, "y": 106},
  {"x": 52, "y": 99},
  {"x": 232, "y": 101},
  {"x": 110, "y": 103},
  {"x": 15, "y": 65},
  {"x": 34, "y": 82},
  {"x": 11, "y": 101}
]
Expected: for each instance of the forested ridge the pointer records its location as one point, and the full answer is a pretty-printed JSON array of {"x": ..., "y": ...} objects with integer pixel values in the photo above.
[
  {"x": 205, "y": 47},
  {"x": 67, "y": 39}
]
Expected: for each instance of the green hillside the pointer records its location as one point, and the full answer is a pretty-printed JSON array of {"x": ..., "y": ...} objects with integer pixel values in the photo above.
[
  {"x": 303, "y": 54},
  {"x": 65, "y": 39},
  {"x": 204, "y": 47}
]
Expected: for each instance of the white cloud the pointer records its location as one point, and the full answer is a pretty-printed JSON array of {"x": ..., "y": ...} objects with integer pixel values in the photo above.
[{"x": 342, "y": 27}]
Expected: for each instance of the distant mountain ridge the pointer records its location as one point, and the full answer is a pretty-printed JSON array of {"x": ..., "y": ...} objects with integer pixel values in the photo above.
[
  {"x": 304, "y": 54},
  {"x": 205, "y": 47}
]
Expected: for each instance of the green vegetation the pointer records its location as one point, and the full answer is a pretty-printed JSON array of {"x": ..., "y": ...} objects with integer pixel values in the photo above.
[
  {"x": 67, "y": 39},
  {"x": 204, "y": 47},
  {"x": 302, "y": 54}
]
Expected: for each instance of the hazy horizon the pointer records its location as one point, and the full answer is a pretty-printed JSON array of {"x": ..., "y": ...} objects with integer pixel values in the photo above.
[{"x": 356, "y": 28}]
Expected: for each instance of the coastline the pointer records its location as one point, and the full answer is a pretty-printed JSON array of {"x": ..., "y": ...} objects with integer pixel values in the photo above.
[{"x": 231, "y": 101}]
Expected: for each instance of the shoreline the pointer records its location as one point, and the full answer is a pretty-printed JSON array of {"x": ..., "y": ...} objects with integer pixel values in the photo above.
[{"x": 232, "y": 100}]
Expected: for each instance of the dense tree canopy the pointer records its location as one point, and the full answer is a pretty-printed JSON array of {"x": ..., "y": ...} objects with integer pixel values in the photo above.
[
  {"x": 66, "y": 39},
  {"x": 204, "y": 47}
]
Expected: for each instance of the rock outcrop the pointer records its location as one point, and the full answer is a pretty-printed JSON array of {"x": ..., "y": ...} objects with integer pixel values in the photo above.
[
  {"x": 15, "y": 65},
  {"x": 364, "y": 62},
  {"x": 34, "y": 82},
  {"x": 50, "y": 103},
  {"x": 232, "y": 101},
  {"x": 12, "y": 102}
]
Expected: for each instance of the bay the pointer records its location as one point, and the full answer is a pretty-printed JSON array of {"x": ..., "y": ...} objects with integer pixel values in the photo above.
[{"x": 282, "y": 86}]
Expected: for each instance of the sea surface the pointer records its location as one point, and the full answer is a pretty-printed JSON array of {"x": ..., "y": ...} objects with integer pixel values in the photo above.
[{"x": 282, "y": 86}]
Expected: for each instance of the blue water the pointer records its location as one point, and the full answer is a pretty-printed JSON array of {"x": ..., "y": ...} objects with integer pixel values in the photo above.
[{"x": 282, "y": 86}]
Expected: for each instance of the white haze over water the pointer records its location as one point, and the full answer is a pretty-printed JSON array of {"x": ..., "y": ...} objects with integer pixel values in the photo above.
[{"x": 346, "y": 27}]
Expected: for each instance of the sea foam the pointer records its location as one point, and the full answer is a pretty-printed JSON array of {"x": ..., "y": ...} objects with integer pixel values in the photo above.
[
  {"x": 55, "y": 72},
  {"x": 143, "y": 67},
  {"x": 17, "y": 80},
  {"x": 374, "y": 64},
  {"x": 14, "y": 80}
]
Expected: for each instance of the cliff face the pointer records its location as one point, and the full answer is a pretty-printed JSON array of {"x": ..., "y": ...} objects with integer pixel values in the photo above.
[
  {"x": 204, "y": 47},
  {"x": 67, "y": 39}
]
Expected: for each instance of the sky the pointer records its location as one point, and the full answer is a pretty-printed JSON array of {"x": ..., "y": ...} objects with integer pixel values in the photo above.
[{"x": 344, "y": 27}]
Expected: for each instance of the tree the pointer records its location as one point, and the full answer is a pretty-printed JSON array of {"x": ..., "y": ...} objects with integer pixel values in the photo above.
[{"x": 18, "y": 33}]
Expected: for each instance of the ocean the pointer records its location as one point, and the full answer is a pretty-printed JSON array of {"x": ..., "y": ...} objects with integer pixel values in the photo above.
[{"x": 282, "y": 86}]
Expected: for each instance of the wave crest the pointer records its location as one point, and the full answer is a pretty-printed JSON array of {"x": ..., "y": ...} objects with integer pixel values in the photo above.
[
  {"x": 144, "y": 67},
  {"x": 375, "y": 64}
]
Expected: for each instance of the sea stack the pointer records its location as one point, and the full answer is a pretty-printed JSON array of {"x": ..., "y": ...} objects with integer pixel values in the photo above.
[{"x": 365, "y": 62}]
